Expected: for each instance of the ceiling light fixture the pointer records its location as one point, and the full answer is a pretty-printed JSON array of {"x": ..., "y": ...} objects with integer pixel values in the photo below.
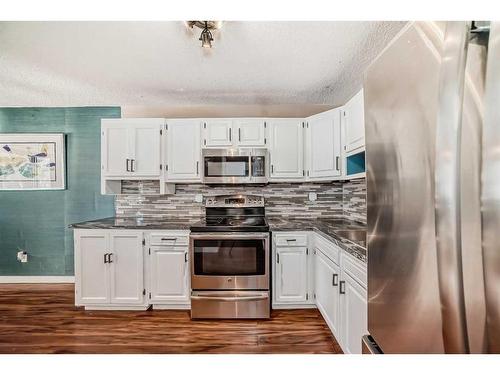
[{"x": 206, "y": 37}]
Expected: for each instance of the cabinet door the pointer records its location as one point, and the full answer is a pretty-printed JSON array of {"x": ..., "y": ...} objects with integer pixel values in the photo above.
[
  {"x": 91, "y": 273},
  {"x": 327, "y": 276},
  {"x": 145, "y": 149},
  {"x": 354, "y": 118},
  {"x": 169, "y": 277},
  {"x": 324, "y": 145},
  {"x": 250, "y": 132},
  {"x": 115, "y": 149},
  {"x": 183, "y": 150},
  {"x": 286, "y": 149},
  {"x": 126, "y": 267},
  {"x": 354, "y": 314},
  {"x": 291, "y": 274},
  {"x": 218, "y": 133}
]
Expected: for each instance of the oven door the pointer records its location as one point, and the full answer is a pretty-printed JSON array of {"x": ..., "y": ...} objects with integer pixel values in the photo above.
[{"x": 229, "y": 261}]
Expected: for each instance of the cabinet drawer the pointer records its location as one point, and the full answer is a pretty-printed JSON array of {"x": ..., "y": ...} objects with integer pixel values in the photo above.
[
  {"x": 327, "y": 248},
  {"x": 168, "y": 239},
  {"x": 355, "y": 268},
  {"x": 291, "y": 239}
]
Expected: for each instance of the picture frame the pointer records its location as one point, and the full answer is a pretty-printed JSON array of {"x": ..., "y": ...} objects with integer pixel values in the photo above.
[{"x": 32, "y": 161}]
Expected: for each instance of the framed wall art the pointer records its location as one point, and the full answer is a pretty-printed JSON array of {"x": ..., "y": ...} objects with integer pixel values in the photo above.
[{"x": 32, "y": 161}]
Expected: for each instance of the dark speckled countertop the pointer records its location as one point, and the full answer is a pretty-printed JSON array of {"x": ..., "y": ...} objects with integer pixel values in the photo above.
[
  {"x": 326, "y": 228},
  {"x": 137, "y": 223}
]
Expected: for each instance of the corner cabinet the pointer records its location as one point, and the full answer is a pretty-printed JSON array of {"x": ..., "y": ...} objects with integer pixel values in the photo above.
[
  {"x": 183, "y": 150},
  {"x": 323, "y": 146},
  {"x": 109, "y": 269},
  {"x": 286, "y": 142}
]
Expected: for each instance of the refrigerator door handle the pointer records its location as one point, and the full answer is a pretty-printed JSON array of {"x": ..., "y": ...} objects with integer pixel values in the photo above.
[
  {"x": 447, "y": 187},
  {"x": 490, "y": 193}
]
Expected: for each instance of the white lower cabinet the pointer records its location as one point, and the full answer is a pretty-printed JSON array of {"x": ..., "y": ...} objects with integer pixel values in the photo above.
[
  {"x": 353, "y": 310},
  {"x": 109, "y": 269},
  {"x": 126, "y": 268},
  {"x": 291, "y": 274},
  {"x": 353, "y": 304},
  {"x": 327, "y": 276},
  {"x": 169, "y": 276},
  {"x": 129, "y": 269},
  {"x": 292, "y": 271}
]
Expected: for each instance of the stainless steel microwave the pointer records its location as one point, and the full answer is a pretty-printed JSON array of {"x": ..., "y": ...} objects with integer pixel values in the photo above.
[{"x": 235, "y": 166}]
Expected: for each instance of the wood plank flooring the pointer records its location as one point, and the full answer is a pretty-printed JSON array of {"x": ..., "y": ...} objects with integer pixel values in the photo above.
[{"x": 42, "y": 318}]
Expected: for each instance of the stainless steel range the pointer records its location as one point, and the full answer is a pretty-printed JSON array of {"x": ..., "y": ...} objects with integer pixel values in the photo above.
[{"x": 230, "y": 259}]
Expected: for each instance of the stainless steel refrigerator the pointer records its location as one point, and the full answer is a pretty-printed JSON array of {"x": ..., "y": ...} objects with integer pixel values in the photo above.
[{"x": 432, "y": 115}]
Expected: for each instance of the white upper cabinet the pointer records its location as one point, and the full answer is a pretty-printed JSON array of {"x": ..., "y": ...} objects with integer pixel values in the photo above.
[
  {"x": 183, "y": 152},
  {"x": 218, "y": 133},
  {"x": 130, "y": 148},
  {"x": 323, "y": 149},
  {"x": 354, "y": 122},
  {"x": 286, "y": 138},
  {"x": 145, "y": 149},
  {"x": 250, "y": 132}
]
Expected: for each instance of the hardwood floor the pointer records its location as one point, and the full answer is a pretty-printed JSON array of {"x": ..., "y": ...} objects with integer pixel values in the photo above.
[{"x": 41, "y": 318}]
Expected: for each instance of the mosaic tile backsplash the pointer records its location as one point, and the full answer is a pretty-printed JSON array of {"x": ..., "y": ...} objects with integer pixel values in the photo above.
[{"x": 334, "y": 200}]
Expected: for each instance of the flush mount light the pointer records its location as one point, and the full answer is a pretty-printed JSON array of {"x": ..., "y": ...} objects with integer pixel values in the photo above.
[{"x": 207, "y": 27}]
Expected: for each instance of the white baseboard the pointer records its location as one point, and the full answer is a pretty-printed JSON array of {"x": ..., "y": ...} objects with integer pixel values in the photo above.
[{"x": 37, "y": 279}]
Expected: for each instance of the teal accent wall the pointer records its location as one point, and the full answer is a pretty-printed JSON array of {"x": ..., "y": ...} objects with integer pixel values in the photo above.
[{"x": 37, "y": 221}]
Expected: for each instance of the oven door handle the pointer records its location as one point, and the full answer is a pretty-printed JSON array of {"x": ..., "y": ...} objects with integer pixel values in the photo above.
[{"x": 256, "y": 297}]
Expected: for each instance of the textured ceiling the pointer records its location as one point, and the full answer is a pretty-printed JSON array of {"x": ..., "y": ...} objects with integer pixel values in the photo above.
[{"x": 162, "y": 63}]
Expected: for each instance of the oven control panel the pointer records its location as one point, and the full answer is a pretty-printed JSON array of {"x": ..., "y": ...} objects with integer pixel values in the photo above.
[{"x": 235, "y": 201}]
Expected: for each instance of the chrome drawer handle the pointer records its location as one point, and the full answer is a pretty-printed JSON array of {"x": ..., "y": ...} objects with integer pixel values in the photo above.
[{"x": 168, "y": 239}]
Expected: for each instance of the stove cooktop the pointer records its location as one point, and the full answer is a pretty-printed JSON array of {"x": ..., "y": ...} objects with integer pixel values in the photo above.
[{"x": 231, "y": 224}]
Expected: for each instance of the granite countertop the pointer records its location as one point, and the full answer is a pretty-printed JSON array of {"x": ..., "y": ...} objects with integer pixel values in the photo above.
[
  {"x": 326, "y": 228},
  {"x": 137, "y": 223}
]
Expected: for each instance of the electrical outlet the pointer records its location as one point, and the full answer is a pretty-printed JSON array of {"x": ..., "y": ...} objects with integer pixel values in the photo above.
[
  {"x": 313, "y": 197},
  {"x": 22, "y": 256},
  {"x": 198, "y": 198}
]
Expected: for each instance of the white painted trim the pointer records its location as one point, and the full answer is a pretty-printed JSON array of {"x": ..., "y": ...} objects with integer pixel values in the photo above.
[{"x": 37, "y": 279}]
